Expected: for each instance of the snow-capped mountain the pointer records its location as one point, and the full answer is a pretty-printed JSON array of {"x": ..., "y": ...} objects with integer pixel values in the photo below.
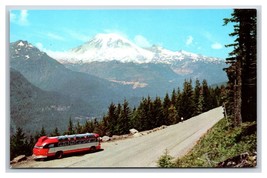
[
  {"x": 24, "y": 50},
  {"x": 109, "y": 47},
  {"x": 162, "y": 55},
  {"x": 105, "y": 47}
]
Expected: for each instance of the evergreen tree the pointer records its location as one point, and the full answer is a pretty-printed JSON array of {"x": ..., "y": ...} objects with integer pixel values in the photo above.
[
  {"x": 55, "y": 132},
  {"x": 118, "y": 117},
  {"x": 96, "y": 127},
  {"x": 242, "y": 72},
  {"x": 166, "y": 105},
  {"x": 172, "y": 115},
  {"x": 112, "y": 119},
  {"x": 17, "y": 144},
  {"x": 199, "y": 105},
  {"x": 206, "y": 96},
  {"x": 70, "y": 127},
  {"x": 173, "y": 97},
  {"x": 88, "y": 127},
  {"x": 143, "y": 112},
  {"x": 78, "y": 128},
  {"x": 31, "y": 144},
  {"x": 125, "y": 118},
  {"x": 135, "y": 119},
  {"x": 157, "y": 112},
  {"x": 178, "y": 104},
  {"x": 187, "y": 101},
  {"x": 197, "y": 93},
  {"x": 43, "y": 132}
]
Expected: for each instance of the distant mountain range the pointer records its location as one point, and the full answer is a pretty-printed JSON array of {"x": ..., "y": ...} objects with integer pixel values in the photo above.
[
  {"x": 108, "y": 68},
  {"x": 155, "y": 69},
  {"x": 110, "y": 47},
  {"x": 39, "y": 73}
]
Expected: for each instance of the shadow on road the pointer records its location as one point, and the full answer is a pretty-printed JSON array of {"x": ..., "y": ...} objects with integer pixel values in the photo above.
[{"x": 82, "y": 153}]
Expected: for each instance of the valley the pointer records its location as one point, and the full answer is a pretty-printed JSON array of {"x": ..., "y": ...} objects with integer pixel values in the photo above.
[{"x": 81, "y": 83}]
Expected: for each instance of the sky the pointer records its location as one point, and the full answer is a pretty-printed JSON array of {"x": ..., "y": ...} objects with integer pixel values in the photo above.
[{"x": 199, "y": 31}]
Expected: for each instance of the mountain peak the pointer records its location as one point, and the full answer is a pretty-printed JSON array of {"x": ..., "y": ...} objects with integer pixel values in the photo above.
[
  {"x": 24, "y": 50},
  {"x": 104, "y": 41},
  {"x": 105, "y": 47},
  {"x": 22, "y": 43}
]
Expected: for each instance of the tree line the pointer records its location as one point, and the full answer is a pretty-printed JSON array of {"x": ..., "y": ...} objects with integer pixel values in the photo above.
[
  {"x": 239, "y": 97},
  {"x": 150, "y": 113}
]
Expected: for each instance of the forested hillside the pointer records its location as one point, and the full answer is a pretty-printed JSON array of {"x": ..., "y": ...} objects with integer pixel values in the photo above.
[{"x": 150, "y": 113}]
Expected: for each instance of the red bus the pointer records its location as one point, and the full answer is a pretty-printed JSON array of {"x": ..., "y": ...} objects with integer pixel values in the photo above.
[{"x": 60, "y": 145}]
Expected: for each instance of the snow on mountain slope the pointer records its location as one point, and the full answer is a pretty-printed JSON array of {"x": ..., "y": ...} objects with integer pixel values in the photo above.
[
  {"x": 106, "y": 47},
  {"x": 109, "y": 47}
]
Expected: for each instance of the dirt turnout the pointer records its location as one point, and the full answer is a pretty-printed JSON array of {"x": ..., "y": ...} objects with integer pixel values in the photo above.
[{"x": 143, "y": 151}]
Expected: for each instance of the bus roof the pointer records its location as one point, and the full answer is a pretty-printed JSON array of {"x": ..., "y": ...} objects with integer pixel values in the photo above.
[{"x": 45, "y": 140}]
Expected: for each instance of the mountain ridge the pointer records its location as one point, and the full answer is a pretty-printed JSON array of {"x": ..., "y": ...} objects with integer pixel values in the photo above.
[
  {"x": 32, "y": 107},
  {"x": 109, "y": 47},
  {"x": 50, "y": 75}
]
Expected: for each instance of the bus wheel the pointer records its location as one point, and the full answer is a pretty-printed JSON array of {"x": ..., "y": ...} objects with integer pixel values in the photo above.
[
  {"x": 92, "y": 149},
  {"x": 59, "y": 154}
]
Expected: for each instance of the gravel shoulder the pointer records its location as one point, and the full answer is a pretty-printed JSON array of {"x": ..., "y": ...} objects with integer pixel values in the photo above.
[{"x": 139, "y": 152}]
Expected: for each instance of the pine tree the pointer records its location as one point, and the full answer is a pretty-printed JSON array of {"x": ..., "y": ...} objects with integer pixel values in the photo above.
[
  {"x": 166, "y": 105},
  {"x": 206, "y": 96},
  {"x": 43, "y": 132},
  {"x": 31, "y": 144},
  {"x": 187, "y": 101},
  {"x": 172, "y": 115},
  {"x": 157, "y": 112},
  {"x": 143, "y": 115},
  {"x": 173, "y": 97},
  {"x": 178, "y": 104},
  {"x": 78, "y": 128},
  {"x": 197, "y": 93},
  {"x": 88, "y": 127},
  {"x": 55, "y": 132},
  {"x": 17, "y": 143},
  {"x": 96, "y": 126},
  {"x": 242, "y": 72},
  {"x": 125, "y": 118},
  {"x": 70, "y": 127},
  {"x": 112, "y": 119}
]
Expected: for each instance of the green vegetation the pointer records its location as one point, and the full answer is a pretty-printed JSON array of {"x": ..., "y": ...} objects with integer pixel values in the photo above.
[
  {"x": 241, "y": 101},
  {"x": 165, "y": 161},
  {"x": 150, "y": 113},
  {"x": 220, "y": 143},
  {"x": 230, "y": 138}
]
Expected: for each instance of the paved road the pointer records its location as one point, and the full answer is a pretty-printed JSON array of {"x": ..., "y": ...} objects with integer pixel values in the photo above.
[{"x": 143, "y": 151}]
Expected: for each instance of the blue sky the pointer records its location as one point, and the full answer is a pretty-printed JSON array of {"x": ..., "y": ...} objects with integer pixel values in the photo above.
[{"x": 199, "y": 31}]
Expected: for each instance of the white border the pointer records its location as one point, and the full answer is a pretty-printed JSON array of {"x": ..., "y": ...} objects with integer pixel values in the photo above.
[{"x": 131, "y": 4}]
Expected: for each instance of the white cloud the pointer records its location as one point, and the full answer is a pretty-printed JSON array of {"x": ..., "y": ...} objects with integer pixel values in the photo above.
[
  {"x": 55, "y": 36},
  {"x": 189, "y": 40},
  {"x": 141, "y": 41},
  {"x": 216, "y": 45},
  {"x": 21, "y": 18}
]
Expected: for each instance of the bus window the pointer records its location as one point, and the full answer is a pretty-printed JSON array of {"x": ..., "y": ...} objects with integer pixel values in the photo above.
[
  {"x": 49, "y": 146},
  {"x": 92, "y": 140}
]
